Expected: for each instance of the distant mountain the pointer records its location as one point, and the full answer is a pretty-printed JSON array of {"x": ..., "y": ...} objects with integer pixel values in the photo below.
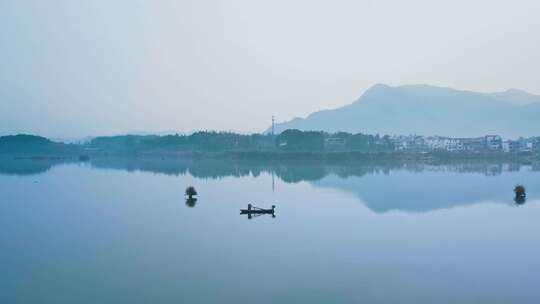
[
  {"x": 516, "y": 96},
  {"x": 429, "y": 110}
]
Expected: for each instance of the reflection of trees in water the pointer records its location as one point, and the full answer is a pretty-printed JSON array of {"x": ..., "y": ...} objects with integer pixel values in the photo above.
[
  {"x": 217, "y": 169},
  {"x": 190, "y": 202},
  {"x": 13, "y": 166},
  {"x": 520, "y": 200},
  {"x": 520, "y": 193},
  {"x": 156, "y": 165},
  {"x": 288, "y": 171},
  {"x": 297, "y": 173}
]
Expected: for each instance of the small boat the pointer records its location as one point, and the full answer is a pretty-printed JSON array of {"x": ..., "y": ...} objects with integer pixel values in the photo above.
[{"x": 256, "y": 210}]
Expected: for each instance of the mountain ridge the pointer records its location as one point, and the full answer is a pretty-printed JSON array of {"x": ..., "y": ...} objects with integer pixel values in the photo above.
[{"x": 428, "y": 110}]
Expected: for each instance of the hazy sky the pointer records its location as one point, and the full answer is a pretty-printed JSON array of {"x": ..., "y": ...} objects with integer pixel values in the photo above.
[{"x": 77, "y": 68}]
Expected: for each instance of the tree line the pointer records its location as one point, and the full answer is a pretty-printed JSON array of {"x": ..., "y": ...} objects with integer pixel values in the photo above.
[{"x": 208, "y": 141}]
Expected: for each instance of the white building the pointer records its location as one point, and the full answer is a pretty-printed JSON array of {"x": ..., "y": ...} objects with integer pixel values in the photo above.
[{"x": 493, "y": 142}]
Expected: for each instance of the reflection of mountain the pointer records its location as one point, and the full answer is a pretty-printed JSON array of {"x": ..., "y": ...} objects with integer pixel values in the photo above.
[{"x": 430, "y": 190}]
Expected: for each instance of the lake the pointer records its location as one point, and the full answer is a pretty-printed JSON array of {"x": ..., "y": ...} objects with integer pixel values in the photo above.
[{"x": 121, "y": 231}]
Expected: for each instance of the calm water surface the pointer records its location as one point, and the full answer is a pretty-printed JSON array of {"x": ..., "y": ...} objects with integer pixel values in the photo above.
[{"x": 120, "y": 231}]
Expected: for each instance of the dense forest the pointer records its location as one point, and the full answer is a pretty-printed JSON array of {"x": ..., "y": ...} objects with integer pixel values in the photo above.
[
  {"x": 204, "y": 141},
  {"x": 23, "y": 145},
  {"x": 199, "y": 141},
  {"x": 287, "y": 141}
]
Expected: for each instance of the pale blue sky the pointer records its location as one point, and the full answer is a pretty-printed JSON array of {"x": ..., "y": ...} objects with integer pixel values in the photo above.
[{"x": 77, "y": 68}]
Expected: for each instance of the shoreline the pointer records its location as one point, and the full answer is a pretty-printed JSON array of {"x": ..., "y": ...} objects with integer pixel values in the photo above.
[{"x": 351, "y": 156}]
